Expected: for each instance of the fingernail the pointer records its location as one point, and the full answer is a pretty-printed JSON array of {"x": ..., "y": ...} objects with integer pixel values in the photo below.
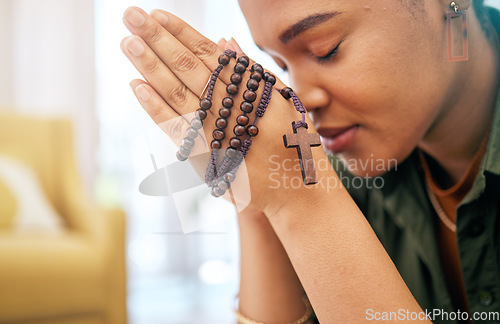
[
  {"x": 134, "y": 46},
  {"x": 135, "y": 17},
  {"x": 159, "y": 16},
  {"x": 142, "y": 92}
]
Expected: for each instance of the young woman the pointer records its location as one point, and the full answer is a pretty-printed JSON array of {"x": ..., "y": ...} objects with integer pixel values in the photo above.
[{"x": 418, "y": 242}]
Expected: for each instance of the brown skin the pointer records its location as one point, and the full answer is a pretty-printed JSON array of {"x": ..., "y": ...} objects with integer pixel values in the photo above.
[
  {"x": 371, "y": 82},
  {"x": 385, "y": 98},
  {"x": 391, "y": 76}
]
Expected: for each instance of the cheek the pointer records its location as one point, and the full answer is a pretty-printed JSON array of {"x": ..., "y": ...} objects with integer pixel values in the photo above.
[
  {"x": 387, "y": 69},
  {"x": 385, "y": 79},
  {"x": 387, "y": 97}
]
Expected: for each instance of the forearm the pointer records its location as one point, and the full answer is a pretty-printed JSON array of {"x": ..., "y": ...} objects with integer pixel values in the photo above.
[
  {"x": 342, "y": 266},
  {"x": 270, "y": 290}
]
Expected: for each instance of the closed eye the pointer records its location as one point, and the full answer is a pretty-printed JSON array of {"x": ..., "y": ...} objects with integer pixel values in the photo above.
[{"x": 328, "y": 57}]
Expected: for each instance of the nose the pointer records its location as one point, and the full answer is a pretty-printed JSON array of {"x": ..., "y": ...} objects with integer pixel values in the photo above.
[{"x": 310, "y": 91}]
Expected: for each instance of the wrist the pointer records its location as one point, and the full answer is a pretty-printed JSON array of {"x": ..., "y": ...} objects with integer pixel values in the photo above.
[{"x": 252, "y": 217}]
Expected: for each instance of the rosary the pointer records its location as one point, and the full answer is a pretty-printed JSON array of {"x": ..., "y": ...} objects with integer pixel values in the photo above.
[{"x": 219, "y": 176}]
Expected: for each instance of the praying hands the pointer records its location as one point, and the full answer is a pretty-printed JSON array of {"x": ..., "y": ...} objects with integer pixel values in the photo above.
[{"x": 292, "y": 239}]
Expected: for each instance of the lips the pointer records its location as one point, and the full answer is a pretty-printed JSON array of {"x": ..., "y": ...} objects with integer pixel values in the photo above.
[{"x": 338, "y": 139}]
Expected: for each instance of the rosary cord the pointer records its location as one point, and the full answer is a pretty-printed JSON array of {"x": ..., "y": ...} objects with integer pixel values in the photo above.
[
  {"x": 230, "y": 164},
  {"x": 299, "y": 106},
  {"x": 211, "y": 168},
  {"x": 213, "y": 79},
  {"x": 264, "y": 101},
  {"x": 261, "y": 109}
]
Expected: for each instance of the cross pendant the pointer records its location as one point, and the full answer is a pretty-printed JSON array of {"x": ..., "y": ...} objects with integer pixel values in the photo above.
[{"x": 303, "y": 141}]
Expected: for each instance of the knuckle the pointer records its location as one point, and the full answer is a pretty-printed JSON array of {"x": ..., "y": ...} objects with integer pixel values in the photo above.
[
  {"x": 185, "y": 61},
  {"x": 154, "y": 33},
  {"x": 177, "y": 30},
  {"x": 152, "y": 66},
  {"x": 204, "y": 47},
  {"x": 176, "y": 128},
  {"x": 178, "y": 95}
]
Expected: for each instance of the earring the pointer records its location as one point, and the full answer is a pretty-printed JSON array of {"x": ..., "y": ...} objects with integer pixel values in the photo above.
[{"x": 455, "y": 13}]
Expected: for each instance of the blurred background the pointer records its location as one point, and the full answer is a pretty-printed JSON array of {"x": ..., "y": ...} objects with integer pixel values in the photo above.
[
  {"x": 79, "y": 242},
  {"x": 71, "y": 127}
]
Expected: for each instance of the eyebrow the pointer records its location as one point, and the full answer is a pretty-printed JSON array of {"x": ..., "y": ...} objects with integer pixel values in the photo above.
[{"x": 306, "y": 24}]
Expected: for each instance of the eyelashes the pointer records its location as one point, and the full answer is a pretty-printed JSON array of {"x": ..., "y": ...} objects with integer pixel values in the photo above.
[
  {"x": 328, "y": 57},
  {"x": 320, "y": 59}
]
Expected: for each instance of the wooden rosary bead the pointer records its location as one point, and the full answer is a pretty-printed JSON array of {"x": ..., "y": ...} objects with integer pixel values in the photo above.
[
  {"x": 200, "y": 114},
  {"x": 225, "y": 112},
  {"x": 216, "y": 145},
  {"x": 252, "y": 85},
  {"x": 235, "y": 143},
  {"x": 242, "y": 120},
  {"x": 191, "y": 133},
  {"x": 217, "y": 192},
  {"x": 265, "y": 75},
  {"x": 240, "y": 68},
  {"x": 181, "y": 157},
  {"x": 243, "y": 59},
  {"x": 249, "y": 95},
  {"x": 232, "y": 89},
  {"x": 257, "y": 76},
  {"x": 223, "y": 184},
  {"x": 230, "y": 176},
  {"x": 252, "y": 130},
  {"x": 218, "y": 134},
  {"x": 257, "y": 68},
  {"x": 236, "y": 78},
  {"x": 205, "y": 104},
  {"x": 231, "y": 153},
  {"x": 196, "y": 123},
  {"x": 239, "y": 130},
  {"x": 246, "y": 107},
  {"x": 224, "y": 59},
  {"x": 271, "y": 79},
  {"x": 184, "y": 151},
  {"x": 227, "y": 102},
  {"x": 188, "y": 143},
  {"x": 221, "y": 123},
  {"x": 286, "y": 92}
]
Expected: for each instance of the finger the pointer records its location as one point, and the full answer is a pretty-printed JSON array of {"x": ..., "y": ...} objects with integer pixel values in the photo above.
[
  {"x": 221, "y": 43},
  {"x": 235, "y": 46},
  {"x": 168, "y": 86},
  {"x": 180, "y": 60},
  {"x": 159, "y": 110},
  {"x": 206, "y": 50}
]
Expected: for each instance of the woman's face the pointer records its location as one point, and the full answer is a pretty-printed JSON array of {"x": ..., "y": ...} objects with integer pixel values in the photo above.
[{"x": 373, "y": 74}]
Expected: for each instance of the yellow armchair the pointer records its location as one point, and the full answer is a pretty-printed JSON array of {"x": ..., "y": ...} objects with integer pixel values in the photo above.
[{"x": 74, "y": 277}]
